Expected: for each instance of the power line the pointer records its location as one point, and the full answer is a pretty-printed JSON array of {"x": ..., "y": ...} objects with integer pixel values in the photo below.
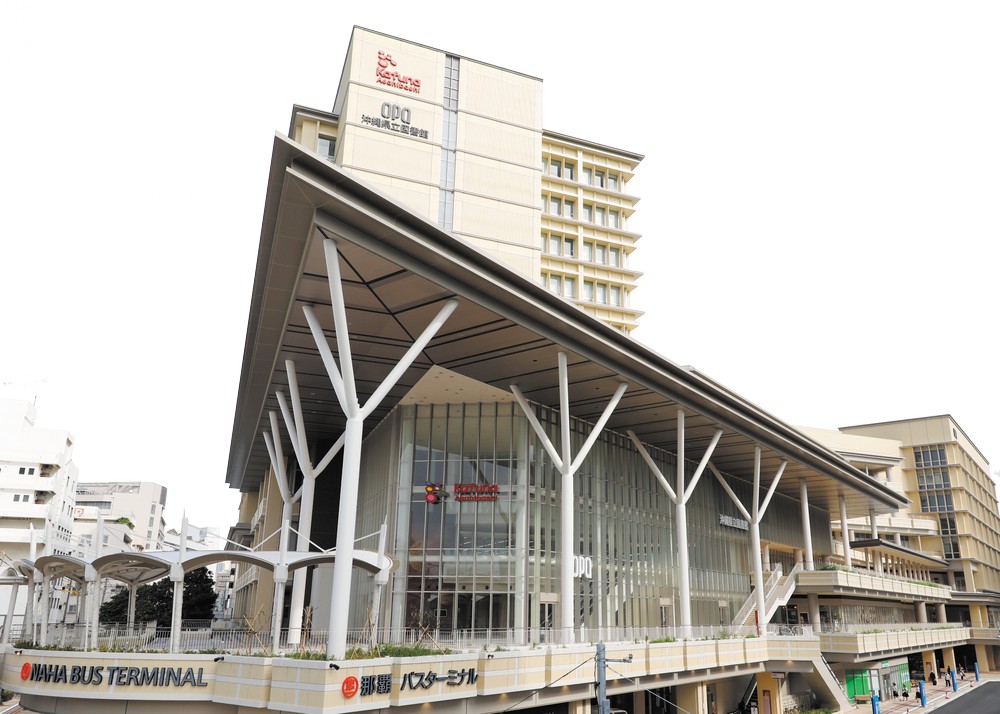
[
  {"x": 662, "y": 699},
  {"x": 533, "y": 693}
]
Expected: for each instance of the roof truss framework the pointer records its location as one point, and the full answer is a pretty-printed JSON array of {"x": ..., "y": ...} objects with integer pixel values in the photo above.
[{"x": 398, "y": 271}]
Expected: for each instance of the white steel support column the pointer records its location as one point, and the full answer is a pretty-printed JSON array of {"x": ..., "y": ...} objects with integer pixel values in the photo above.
[
  {"x": 845, "y": 538},
  {"x": 95, "y": 577},
  {"x": 133, "y": 589},
  {"x": 43, "y": 638},
  {"x": 280, "y": 578},
  {"x": 82, "y": 605},
  {"x": 806, "y": 524},
  {"x": 177, "y": 578},
  {"x": 758, "y": 575},
  {"x": 680, "y": 513},
  {"x": 873, "y": 521},
  {"x": 755, "y": 516},
  {"x": 33, "y": 580},
  {"x": 567, "y": 466},
  {"x": 8, "y": 623},
  {"x": 381, "y": 580},
  {"x": 680, "y": 499},
  {"x": 346, "y": 390},
  {"x": 340, "y": 594},
  {"x": 295, "y": 424}
]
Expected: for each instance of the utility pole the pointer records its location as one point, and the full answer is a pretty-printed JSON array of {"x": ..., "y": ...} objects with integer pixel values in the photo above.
[{"x": 603, "y": 704}]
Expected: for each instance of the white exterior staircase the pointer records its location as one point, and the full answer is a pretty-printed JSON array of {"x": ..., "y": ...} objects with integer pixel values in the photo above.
[{"x": 778, "y": 590}]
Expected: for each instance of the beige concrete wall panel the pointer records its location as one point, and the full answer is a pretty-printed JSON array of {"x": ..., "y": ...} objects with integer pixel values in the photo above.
[
  {"x": 310, "y": 687},
  {"x": 497, "y": 179},
  {"x": 514, "y": 144},
  {"x": 390, "y": 157},
  {"x": 497, "y": 93},
  {"x": 204, "y": 668},
  {"x": 417, "y": 197},
  {"x": 563, "y": 663},
  {"x": 421, "y": 63},
  {"x": 522, "y": 259},
  {"x": 439, "y": 690},
  {"x": 509, "y": 671},
  {"x": 504, "y": 222},
  {"x": 244, "y": 681}
]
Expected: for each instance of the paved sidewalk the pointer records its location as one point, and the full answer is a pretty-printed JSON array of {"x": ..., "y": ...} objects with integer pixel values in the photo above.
[{"x": 936, "y": 697}]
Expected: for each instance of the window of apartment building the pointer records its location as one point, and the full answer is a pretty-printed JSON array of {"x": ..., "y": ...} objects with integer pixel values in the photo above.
[
  {"x": 612, "y": 182},
  {"x": 936, "y": 502},
  {"x": 601, "y": 294},
  {"x": 555, "y": 168},
  {"x": 600, "y": 215},
  {"x": 588, "y": 175},
  {"x": 555, "y": 205},
  {"x": 588, "y": 213},
  {"x": 569, "y": 287},
  {"x": 614, "y": 219},
  {"x": 615, "y": 257},
  {"x": 555, "y": 284},
  {"x": 588, "y": 290},
  {"x": 570, "y": 209},
  {"x": 555, "y": 244},
  {"x": 599, "y": 179},
  {"x": 601, "y": 255},
  {"x": 17, "y": 498},
  {"x": 569, "y": 171},
  {"x": 21, "y": 471},
  {"x": 949, "y": 538},
  {"x": 326, "y": 146},
  {"x": 615, "y": 296},
  {"x": 929, "y": 456}
]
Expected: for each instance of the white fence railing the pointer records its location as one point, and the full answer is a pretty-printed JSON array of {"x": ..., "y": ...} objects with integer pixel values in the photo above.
[
  {"x": 873, "y": 627},
  {"x": 226, "y": 636}
]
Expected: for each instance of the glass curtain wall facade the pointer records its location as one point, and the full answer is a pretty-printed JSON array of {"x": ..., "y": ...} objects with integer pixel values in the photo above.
[{"x": 472, "y": 503}]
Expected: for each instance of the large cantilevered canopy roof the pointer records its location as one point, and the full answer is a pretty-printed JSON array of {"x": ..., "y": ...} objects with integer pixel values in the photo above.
[{"x": 398, "y": 270}]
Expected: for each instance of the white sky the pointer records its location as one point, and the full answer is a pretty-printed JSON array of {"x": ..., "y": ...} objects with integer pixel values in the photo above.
[{"x": 819, "y": 199}]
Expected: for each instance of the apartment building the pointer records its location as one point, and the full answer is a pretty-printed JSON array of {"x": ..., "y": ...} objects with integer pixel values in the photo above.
[
  {"x": 37, "y": 490},
  {"x": 464, "y": 147},
  {"x": 142, "y": 502},
  {"x": 929, "y": 568}
]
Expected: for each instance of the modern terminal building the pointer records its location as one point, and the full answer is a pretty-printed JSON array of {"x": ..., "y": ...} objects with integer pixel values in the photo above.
[{"x": 439, "y": 398}]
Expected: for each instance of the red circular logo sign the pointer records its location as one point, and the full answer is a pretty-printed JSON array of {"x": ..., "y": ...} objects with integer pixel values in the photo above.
[
  {"x": 25, "y": 670},
  {"x": 349, "y": 688}
]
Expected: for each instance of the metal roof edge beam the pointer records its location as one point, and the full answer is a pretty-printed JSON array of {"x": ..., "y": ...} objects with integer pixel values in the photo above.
[
  {"x": 652, "y": 465},
  {"x": 701, "y": 466},
  {"x": 598, "y": 427},
  {"x": 411, "y": 354},
  {"x": 330, "y": 252},
  {"x": 327, "y": 356},
  {"x": 550, "y": 449}
]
